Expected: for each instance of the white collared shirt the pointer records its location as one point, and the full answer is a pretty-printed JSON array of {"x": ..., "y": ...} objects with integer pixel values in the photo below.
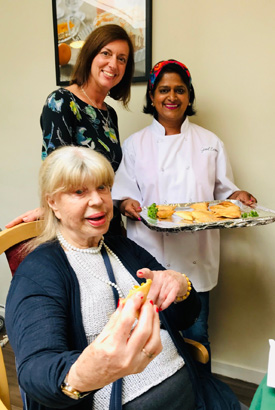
[{"x": 188, "y": 167}]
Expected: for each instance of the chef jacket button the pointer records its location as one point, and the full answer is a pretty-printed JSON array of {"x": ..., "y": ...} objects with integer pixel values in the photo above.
[
  {"x": 162, "y": 169},
  {"x": 194, "y": 262},
  {"x": 187, "y": 168},
  {"x": 168, "y": 265}
]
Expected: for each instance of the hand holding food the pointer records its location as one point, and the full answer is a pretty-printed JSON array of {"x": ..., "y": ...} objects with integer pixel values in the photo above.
[
  {"x": 129, "y": 350},
  {"x": 166, "y": 286},
  {"x": 143, "y": 288}
]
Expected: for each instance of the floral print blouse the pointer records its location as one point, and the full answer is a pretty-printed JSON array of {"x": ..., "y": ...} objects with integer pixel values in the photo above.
[{"x": 67, "y": 120}]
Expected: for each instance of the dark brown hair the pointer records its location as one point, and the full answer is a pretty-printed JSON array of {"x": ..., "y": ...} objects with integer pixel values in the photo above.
[{"x": 98, "y": 39}]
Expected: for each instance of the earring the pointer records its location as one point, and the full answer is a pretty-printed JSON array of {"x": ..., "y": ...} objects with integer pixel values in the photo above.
[
  {"x": 190, "y": 104},
  {"x": 152, "y": 104}
]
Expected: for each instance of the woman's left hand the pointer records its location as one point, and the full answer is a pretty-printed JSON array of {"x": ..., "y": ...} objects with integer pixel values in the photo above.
[
  {"x": 166, "y": 286},
  {"x": 121, "y": 348},
  {"x": 245, "y": 197}
]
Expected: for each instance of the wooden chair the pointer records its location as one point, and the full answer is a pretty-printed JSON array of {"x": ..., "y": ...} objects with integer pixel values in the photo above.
[
  {"x": 197, "y": 350},
  {"x": 4, "y": 387},
  {"x": 10, "y": 241}
]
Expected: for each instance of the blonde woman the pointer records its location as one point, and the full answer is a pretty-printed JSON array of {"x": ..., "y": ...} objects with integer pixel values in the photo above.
[{"x": 74, "y": 347}]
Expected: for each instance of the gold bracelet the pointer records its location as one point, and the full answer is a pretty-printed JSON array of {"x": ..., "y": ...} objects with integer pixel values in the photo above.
[{"x": 189, "y": 287}]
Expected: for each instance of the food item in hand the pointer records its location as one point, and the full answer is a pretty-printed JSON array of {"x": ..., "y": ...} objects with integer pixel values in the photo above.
[
  {"x": 200, "y": 206},
  {"x": 187, "y": 215},
  {"x": 144, "y": 288}
]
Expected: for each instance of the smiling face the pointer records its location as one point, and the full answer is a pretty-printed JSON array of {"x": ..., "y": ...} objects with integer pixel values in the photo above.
[
  {"x": 108, "y": 66},
  {"x": 85, "y": 213},
  {"x": 171, "y": 99}
]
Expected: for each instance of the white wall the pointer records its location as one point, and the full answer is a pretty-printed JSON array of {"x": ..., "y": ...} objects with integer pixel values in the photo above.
[{"x": 228, "y": 45}]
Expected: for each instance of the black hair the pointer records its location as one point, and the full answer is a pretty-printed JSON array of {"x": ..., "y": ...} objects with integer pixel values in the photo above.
[{"x": 170, "y": 68}]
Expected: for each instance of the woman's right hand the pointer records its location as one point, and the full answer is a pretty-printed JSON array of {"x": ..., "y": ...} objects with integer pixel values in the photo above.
[
  {"x": 130, "y": 208},
  {"x": 29, "y": 216},
  {"x": 120, "y": 349}
]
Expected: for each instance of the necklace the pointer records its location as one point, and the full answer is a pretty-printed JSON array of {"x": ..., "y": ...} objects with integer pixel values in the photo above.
[
  {"x": 70, "y": 247},
  {"x": 96, "y": 250},
  {"x": 107, "y": 121},
  {"x": 91, "y": 101}
]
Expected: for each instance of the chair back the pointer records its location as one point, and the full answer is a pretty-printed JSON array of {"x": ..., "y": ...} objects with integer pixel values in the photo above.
[
  {"x": 12, "y": 240},
  {"x": 4, "y": 387}
]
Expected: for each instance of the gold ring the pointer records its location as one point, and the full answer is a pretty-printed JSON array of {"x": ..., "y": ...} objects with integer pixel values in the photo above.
[{"x": 149, "y": 355}]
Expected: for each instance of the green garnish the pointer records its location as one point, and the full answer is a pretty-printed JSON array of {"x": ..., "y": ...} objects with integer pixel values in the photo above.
[
  {"x": 252, "y": 214},
  {"x": 152, "y": 211}
]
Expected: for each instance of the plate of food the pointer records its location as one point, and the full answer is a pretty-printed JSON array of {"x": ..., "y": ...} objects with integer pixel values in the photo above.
[{"x": 196, "y": 216}]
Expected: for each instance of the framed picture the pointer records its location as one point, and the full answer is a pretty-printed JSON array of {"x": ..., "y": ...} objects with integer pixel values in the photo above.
[{"x": 74, "y": 20}]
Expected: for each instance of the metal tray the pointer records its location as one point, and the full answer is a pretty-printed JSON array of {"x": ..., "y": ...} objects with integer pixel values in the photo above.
[{"x": 177, "y": 224}]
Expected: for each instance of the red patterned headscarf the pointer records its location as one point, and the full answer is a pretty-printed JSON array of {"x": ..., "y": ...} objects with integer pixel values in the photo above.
[{"x": 156, "y": 70}]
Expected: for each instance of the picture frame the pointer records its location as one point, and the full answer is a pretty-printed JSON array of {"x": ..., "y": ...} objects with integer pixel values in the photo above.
[{"x": 73, "y": 21}]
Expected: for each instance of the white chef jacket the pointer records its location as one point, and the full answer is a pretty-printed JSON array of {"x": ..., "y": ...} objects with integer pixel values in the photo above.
[{"x": 188, "y": 167}]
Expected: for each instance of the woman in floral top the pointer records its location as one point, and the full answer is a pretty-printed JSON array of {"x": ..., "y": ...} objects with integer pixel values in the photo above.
[
  {"x": 68, "y": 120},
  {"x": 78, "y": 115}
]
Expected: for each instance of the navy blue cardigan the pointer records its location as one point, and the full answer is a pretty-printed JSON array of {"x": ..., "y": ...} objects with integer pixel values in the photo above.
[{"x": 44, "y": 322}]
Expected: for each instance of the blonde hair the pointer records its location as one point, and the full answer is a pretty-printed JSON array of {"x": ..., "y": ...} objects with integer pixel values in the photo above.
[{"x": 65, "y": 169}]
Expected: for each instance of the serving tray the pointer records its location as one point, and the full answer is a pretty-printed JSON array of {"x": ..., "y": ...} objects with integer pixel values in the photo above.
[{"x": 177, "y": 224}]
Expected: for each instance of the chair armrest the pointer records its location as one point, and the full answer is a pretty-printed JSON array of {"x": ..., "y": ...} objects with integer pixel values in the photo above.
[{"x": 197, "y": 351}]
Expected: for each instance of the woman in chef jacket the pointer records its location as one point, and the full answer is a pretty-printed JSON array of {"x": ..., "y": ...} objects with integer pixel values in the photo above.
[{"x": 176, "y": 161}]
